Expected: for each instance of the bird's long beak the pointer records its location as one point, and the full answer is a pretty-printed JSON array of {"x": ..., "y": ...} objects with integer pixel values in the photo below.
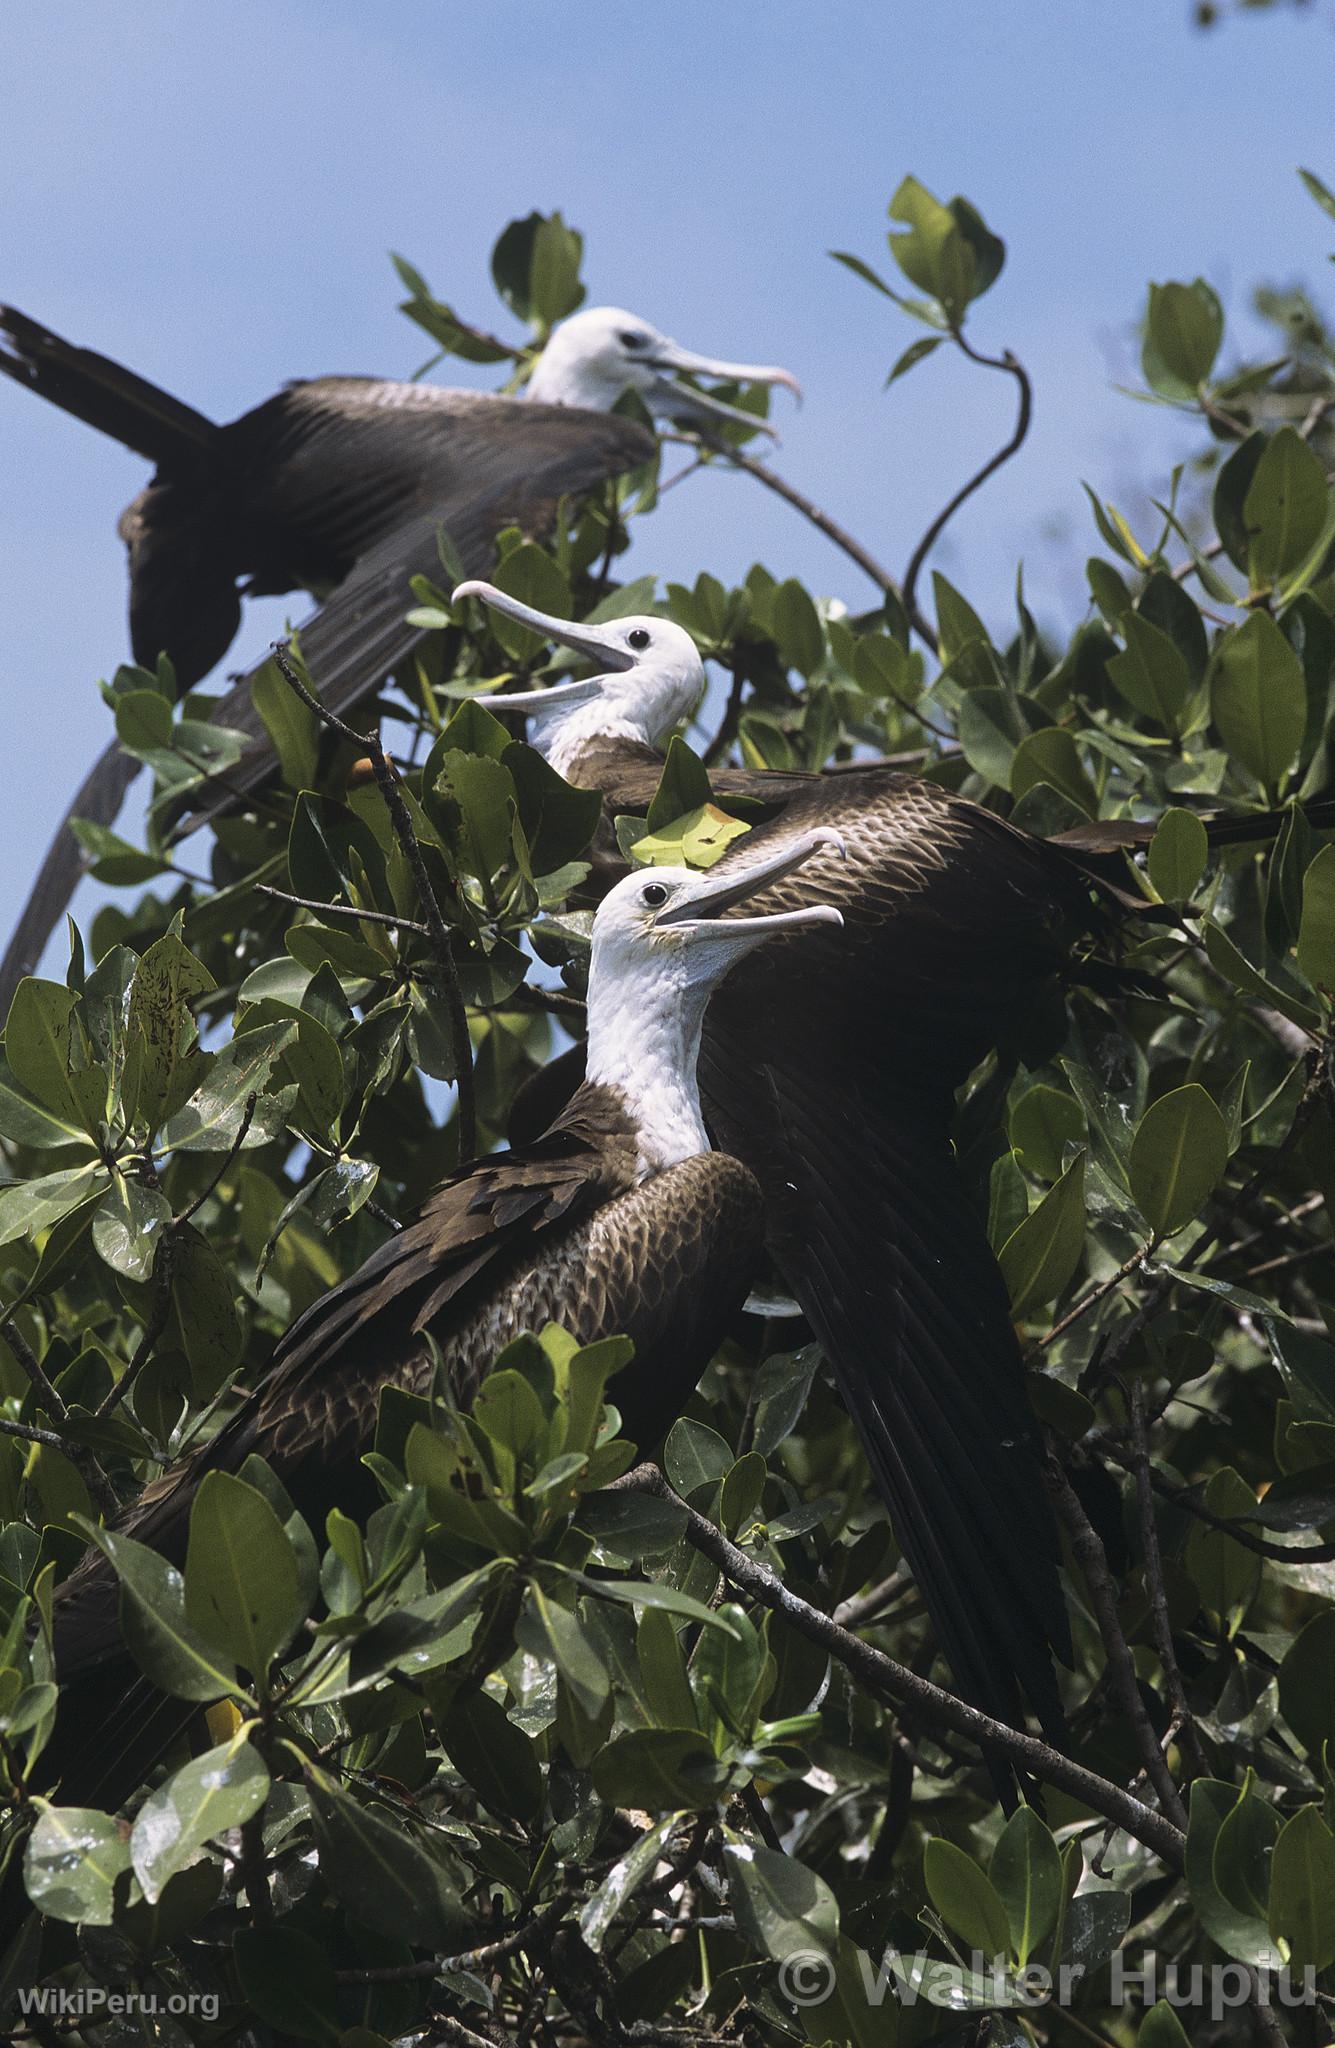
[
  {"x": 685, "y": 401},
  {"x": 594, "y": 642},
  {"x": 716, "y": 893}
]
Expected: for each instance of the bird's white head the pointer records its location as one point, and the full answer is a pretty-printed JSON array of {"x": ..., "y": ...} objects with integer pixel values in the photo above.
[
  {"x": 661, "y": 945},
  {"x": 595, "y": 355},
  {"x": 650, "y": 678}
]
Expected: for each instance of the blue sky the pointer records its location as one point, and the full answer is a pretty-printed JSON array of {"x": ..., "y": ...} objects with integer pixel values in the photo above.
[{"x": 209, "y": 194}]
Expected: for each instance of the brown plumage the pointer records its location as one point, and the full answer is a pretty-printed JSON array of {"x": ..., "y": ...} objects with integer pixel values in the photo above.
[
  {"x": 557, "y": 1231},
  {"x": 337, "y": 485}
]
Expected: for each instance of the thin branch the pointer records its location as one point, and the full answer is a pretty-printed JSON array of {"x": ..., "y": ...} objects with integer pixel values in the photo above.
[
  {"x": 470, "y": 1958},
  {"x": 243, "y": 1128},
  {"x": 164, "y": 1267},
  {"x": 33, "y": 1367},
  {"x": 1013, "y": 368},
  {"x": 347, "y": 910},
  {"x": 31, "y": 1434},
  {"x": 1096, "y": 1294},
  {"x": 1125, "y": 1688},
  {"x": 866, "y": 1606},
  {"x": 1152, "y": 1566},
  {"x": 830, "y": 528},
  {"x": 884, "y": 1676},
  {"x": 388, "y": 785}
]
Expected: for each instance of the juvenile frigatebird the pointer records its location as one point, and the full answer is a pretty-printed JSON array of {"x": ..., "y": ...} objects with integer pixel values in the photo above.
[
  {"x": 834, "y": 1078},
  {"x": 618, "y": 1220},
  {"x": 338, "y": 485}
]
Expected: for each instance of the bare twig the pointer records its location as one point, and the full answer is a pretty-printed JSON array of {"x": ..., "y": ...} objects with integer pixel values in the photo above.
[
  {"x": 884, "y": 1676},
  {"x": 164, "y": 1267},
  {"x": 866, "y": 1606},
  {"x": 242, "y": 1130},
  {"x": 1093, "y": 1563},
  {"x": 1007, "y": 362},
  {"x": 1096, "y": 1294},
  {"x": 470, "y": 1958},
  {"x": 33, "y": 1367},
  {"x": 822, "y": 521},
  {"x": 388, "y": 785},
  {"x": 345, "y": 910},
  {"x": 31, "y": 1434},
  {"x": 1152, "y": 1565}
]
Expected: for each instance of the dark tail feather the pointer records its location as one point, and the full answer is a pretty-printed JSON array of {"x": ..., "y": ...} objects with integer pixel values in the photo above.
[
  {"x": 104, "y": 394},
  {"x": 893, "y": 1271},
  {"x": 99, "y": 800}
]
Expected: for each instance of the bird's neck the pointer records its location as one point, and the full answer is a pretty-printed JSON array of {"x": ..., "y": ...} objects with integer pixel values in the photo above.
[
  {"x": 646, "y": 1045},
  {"x": 561, "y": 736},
  {"x": 562, "y": 379}
]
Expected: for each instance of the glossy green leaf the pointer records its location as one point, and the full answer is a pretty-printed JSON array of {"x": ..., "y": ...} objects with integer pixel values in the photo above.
[
  {"x": 1177, "y": 854},
  {"x": 781, "y": 1906},
  {"x": 1307, "y": 1683},
  {"x": 1026, "y": 1874},
  {"x": 1152, "y": 673},
  {"x": 1258, "y": 698},
  {"x": 206, "y": 1797},
  {"x": 1316, "y": 932},
  {"x": 1184, "y": 328},
  {"x": 1040, "y": 1256},
  {"x": 70, "y": 1866},
  {"x": 1285, "y": 507},
  {"x": 388, "y": 1879},
  {"x": 966, "y": 1898},
  {"x": 154, "y": 1623},
  {"x": 1237, "y": 1930},
  {"x": 1178, "y": 1156},
  {"x": 1226, "y": 1575},
  {"x": 1302, "y": 1890},
  {"x": 241, "y": 1587}
]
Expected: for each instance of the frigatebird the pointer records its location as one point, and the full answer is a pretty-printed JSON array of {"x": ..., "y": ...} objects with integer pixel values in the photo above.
[
  {"x": 620, "y": 1219},
  {"x": 338, "y": 485},
  {"x": 834, "y": 1078}
]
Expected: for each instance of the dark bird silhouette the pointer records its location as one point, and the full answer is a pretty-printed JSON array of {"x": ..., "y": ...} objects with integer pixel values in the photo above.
[
  {"x": 619, "y": 1219},
  {"x": 337, "y": 485}
]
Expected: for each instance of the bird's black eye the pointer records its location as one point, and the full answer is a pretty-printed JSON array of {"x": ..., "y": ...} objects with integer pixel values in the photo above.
[
  {"x": 654, "y": 894},
  {"x": 630, "y": 338},
  {"x": 639, "y": 638}
]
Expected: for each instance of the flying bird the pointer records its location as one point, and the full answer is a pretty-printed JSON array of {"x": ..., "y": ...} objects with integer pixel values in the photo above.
[
  {"x": 337, "y": 485},
  {"x": 620, "y": 1219},
  {"x": 833, "y": 1077}
]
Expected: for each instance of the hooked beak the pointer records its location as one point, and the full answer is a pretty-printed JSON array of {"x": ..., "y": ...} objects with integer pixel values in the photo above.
[
  {"x": 595, "y": 642},
  {"x": 696, "y": 914},
  {"x": 684, "y": 402}
]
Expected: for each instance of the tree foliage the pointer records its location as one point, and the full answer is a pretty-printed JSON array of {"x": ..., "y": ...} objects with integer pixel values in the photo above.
[{"x": 528, "y": 1751}]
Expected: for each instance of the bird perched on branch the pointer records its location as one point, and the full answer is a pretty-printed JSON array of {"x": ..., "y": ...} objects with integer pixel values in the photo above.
[
  {"x": 338, "y": 485},
  {"x": 618, "y": 1220}
]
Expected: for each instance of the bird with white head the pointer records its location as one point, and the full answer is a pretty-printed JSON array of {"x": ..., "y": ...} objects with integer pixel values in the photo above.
[{"x": 595, "y": 355}]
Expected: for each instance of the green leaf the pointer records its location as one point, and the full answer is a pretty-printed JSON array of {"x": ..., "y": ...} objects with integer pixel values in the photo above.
[
  {"x": 241, "y": 1584},
  {"x": 1316, "y": 932},
  {"x": 1226, "y": 1575},
  {"x": 1238, "y": 1932},
  {"x": 1242, "y": 1853},
  {"x": 966, "y": 1899},
  {"x": 1040, "y": 1256},
  {"x": 160, "y": 1029},
  {"x": 287, "y": 1978},
  {"x": 546, "y": 1629},
  {"x": 697, "y": 839},
  {"x": 39, "y": 1051},
  {"x": 27, "y": 1122},
  {"x": 558, "y": 819},
  {"x": 1026, "y": 1874},
  {"x": 1178, "y": 1156},
  {"x": 204, "y": 1312},
  {"x": 291, "y": 725},
  {"x": 1183, "y": 330},
  {"x": 1302, "y": 1890},
  {"x": 495, "y": 1757},
  {"x": 916, "y": 352},
  {"x": 1285, "y": 508},
  {"x": 529, "y": 574},
  {"x": 1152, "y": 673},
  {"x": 624, "y": 1879},
  {"x": 797, "y": 628},
  {"x": 1322, "y": 194},
  {"x": 1258, "y": 698},
  {"x": 1161, "y": 2028},
  {"x": 212, "y": 1793},
  {"x": 957, "y": 623},
  {"x": 1051, "y": 756},
  {"x": 154, "y": 1624},
  {"x": 781, "y": 1907},
  {"x": 386, "y": 1879},
  {"x": 659, "y": 1769},
  {"x": 1177, "y": 854},
  {"x": 73, "y": 1858},
  {"x": 127, "y": 1224},
  {"x": 1307, "y": 1684}
]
